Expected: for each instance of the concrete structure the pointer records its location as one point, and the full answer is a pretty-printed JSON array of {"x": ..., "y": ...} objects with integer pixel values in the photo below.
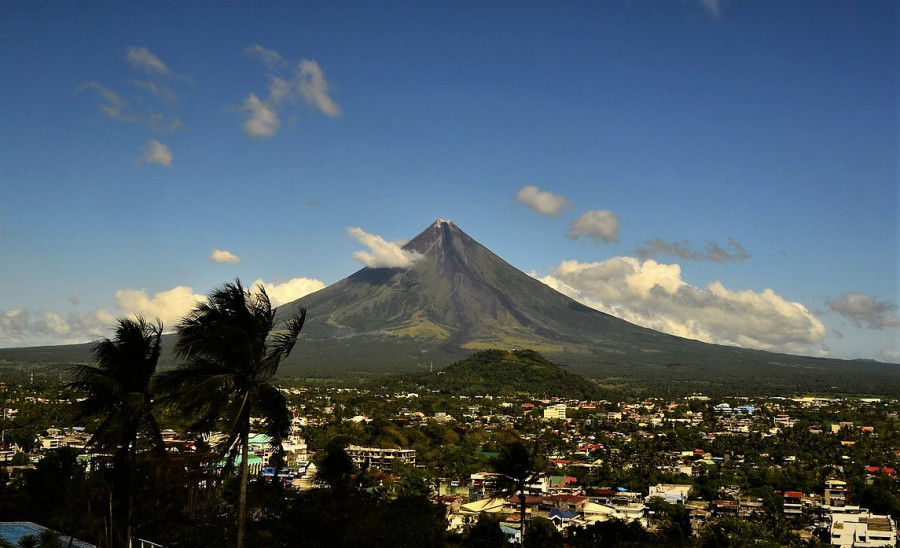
[
  {"x": 365, "y": 457},
  {"x": 862, "y": 530}
]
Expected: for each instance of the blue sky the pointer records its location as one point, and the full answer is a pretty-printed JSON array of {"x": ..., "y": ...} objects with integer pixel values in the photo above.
[{"x": 722, "y": 170}]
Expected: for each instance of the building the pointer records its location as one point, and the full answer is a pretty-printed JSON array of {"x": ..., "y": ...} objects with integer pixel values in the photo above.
[
  {"x": 670, "y": 492},
  {"x": 862, "y": 529},
  {"x": 835, "y": 493},
  {"x": 365, "y": 457},
  {"x": 557, "y": 411},
  {"x": 793, "y": 503}
]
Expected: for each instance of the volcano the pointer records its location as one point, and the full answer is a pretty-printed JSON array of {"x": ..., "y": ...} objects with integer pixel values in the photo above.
[{"x": 457, "y": 297}]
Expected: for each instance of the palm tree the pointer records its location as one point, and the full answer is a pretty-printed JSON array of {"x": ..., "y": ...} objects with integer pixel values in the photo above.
[
  {"x": 230, "y": 351},
  {"x": 119, "y": 388},
  {"x": 517, "y": 464}
]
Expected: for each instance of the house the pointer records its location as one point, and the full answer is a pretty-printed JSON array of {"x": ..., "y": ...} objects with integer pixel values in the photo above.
[
  {"x": 670, "y": 492},
  {"x": 492, "y": 505},
  {"x": 561, "y": 518},
  {"x": 592, "y": 511}
]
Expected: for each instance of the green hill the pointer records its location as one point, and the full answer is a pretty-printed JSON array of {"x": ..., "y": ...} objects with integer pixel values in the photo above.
[{"x": 501, "y": 373}]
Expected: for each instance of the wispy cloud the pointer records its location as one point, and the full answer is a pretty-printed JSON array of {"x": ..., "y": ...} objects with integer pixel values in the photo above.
[
  {"x": 115, "y": 106},
  {"x": 597, "y": 224},
  {"x": 288, "y": 84},
  {"x": 315, "y": 88},
  {"x": 714, "y": 7},
  {"x": 865, "y": 311},
  {"x": 146, "y": 61},
  {"x": 711, "y": 252},
  {"x": 383, "y": 254},
  {"x": 543, "y": 201},
  {"x": 156, "y": 153},
  {"x": 223, "y": 256},
  {"x": 143, "y": 59},
  {"x": 654, "y": 295},
  {"x": 159, "y": 118},
  {"x": 268, "y": 57}
]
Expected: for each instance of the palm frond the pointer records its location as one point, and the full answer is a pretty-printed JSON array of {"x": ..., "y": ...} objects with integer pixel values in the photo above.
[
  {"x": 272, "y": 406},
  {"x": 282, "y": 343}
]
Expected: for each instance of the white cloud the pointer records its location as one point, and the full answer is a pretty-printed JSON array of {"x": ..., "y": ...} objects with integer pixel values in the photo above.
[
  {"x": 654, "y": 295},
  {"x": 156, "y": 153},
  {"x": 290, "y": 290},
  {"x": 598, "y": 224},
  {"x": 892, "y": 356},
  {"x": 143, "y": 59},
  {"x": 383, "y": 254},
  {"x": 315, "y": 88},
  {"x": 169, "y": 306},
  {"x": 263, "y": 119},
  {"x": 865, "y": 311},
  {"x": 223, "y": 256},
  {"x": 542, "y": 201}
]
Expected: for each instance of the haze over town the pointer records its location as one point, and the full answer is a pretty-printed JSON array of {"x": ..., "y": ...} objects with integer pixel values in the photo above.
[{"x": 725, "y": 171}]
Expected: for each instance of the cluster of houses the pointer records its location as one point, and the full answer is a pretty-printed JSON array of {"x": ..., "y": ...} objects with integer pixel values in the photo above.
[{"x": 559, "y": 498}]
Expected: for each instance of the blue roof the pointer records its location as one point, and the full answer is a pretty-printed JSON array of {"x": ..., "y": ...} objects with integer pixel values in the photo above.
[{"x": 565, "y": 514}]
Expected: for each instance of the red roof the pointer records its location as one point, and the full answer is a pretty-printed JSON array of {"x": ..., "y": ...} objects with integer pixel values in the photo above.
[
  {"x": 568, "y": 498},
  {"x": 793, "y": 494}
]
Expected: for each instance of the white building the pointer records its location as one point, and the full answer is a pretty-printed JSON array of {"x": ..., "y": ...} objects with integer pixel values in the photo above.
[{"x": 862, "y": 530}]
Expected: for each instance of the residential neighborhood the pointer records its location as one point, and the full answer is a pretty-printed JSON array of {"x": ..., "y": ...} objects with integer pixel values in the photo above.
[{"x": 822, "y": 469}]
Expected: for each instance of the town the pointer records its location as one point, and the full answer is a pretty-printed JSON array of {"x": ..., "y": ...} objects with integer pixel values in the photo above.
[{"x": 637, "y": 471}]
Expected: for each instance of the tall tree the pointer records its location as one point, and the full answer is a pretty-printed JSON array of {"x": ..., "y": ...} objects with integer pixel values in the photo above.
[
  {"x": 231, "y": 350},
  {"x": 119, "y": 388},
  {"x": 518, "y": 464}
]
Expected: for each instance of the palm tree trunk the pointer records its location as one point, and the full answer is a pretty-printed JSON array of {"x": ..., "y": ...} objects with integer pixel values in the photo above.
[
  {"x": 522, "y": 516},
  {"x": 245, "y": 479},
  {"x": 128, "y": 516}
]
